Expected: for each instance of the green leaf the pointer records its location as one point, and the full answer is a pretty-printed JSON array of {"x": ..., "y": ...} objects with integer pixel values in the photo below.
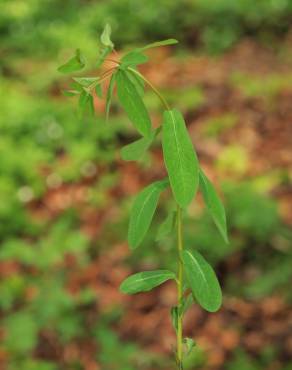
[
  {"x": 190, "y": 344},
  {"x": 105, "y": 37},
  {"x": 159, "y": 43},
  {"x": 109, "y": 95},
  {"x": 86, "y": 81},
  {"x": 180, "y": 157},
  {"x": 174, "y": 317},
  {"x": 134, "y": 151},
  {"x": 202, "y": 280},
  {"x": 86, "y": 103},
  {"x": 186, "y": 304},
  {"x": 137, "y": 81},
  {"x": 166, "y": 227},
  {"x": 143, "y": 211},
  {"x": 133, "y": 58},
  {"x": 98, "y": 91},
  {"x": 133, "y": 104},
  {"x": 76, "y": 86},
  {"x": 74, "y": 64},
  {"x": 213, "y": 204},
  {"x": 145, "y": 281}
]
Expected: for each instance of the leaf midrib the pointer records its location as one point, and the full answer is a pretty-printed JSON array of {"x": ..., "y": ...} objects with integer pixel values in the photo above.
[
  {"x": 199, "y": 268},
  {"x": 178, "y": 150},
  {"x": 150, "y": 277}
]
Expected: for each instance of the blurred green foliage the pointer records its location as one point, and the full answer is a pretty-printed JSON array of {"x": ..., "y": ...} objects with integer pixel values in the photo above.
[{"x": 36, "y": 27}]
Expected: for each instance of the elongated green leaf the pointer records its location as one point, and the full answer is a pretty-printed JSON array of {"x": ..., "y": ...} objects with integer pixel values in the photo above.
[
  {"x": 166, "y": 227},
  {"x": 137, "y": 81},
  {"x": 133, "y": 58},
  {"x": 202, "y": 280},
  {"x": 213, "y": 204},
  {"x": 159, "y": 43},
  {"x": 109, "y": 96},
  {"x": 180, "y": 158},
  {"x": 133, "y": 104},
  {"x": 134, "y": 151},
  {"x": 86, "y": 103},
  {"x": 145, "y": 281},
  {"x": 74, "y": 64},
  {"x": 105, "y": 37},
  {"x": 143, "y": 211}
]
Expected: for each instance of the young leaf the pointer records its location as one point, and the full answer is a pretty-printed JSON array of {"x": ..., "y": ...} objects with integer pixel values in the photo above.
[
  {"x": 145, "y": 281},
  {"x": 159, "y": 43},
  {"x": 190, "y": 344},
  {"x": 180, "y": 157},
  {"x": 105, "y": 37},
  {"x": 133, "y": 58},
  {"x": 133, "y": 104},
  {"x": 74, "y": 64},
  {"x": 202, "y": 280},
  {"x": 166, "y": 227},
  {"x": 109, "y": 95},
  {"x": 213, "y": 204},
  {"x": 134, "y": 151},
  {"x": 107, "y": 43},
  {"x": 143, "y": 211}
]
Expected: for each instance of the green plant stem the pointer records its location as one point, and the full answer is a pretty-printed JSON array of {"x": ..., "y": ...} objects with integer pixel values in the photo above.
[
  {"x": 164, "y": 102},
  {"x": 179, "y": 290},
  {"x": 180, "y": 272},
  {"x": 102, "y": 78}
]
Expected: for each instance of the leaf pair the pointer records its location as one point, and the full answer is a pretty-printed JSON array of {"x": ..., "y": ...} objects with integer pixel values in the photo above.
[
  {"x": 143, "y": 211},
  {"x": 145, "y": 281},
  {"x": 202, "y": 279}
]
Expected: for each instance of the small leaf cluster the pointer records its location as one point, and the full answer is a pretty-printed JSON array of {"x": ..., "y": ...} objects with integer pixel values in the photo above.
[{"x": 184, "y": 178}]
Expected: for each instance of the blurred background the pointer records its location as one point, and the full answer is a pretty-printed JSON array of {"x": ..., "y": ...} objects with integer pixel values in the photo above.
[{"x": 65, "y": 194}]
